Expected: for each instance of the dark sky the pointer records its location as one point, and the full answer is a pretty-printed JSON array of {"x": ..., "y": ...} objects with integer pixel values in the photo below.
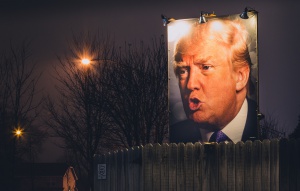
[{"x": 50, "y": 24}]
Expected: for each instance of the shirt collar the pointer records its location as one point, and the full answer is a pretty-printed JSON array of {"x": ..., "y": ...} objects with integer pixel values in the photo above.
[{"x": 234, "y": 129}]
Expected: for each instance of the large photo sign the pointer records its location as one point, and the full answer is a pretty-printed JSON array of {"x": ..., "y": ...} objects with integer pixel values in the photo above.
[{"x": 213, "y": 79}]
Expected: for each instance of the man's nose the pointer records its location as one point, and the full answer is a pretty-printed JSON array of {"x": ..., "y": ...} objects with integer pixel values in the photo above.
[{"x": 193, "y": 82}]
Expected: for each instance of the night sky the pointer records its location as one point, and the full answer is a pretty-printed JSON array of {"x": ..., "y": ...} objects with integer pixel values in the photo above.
[{"x": 51, "y": 24}]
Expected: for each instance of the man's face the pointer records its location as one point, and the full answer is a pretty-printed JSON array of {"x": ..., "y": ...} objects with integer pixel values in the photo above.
[{"x": 207, "y": 84}]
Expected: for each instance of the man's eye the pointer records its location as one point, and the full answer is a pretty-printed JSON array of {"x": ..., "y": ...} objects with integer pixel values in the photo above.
[
  {"x": 206, "y": 67},
  {"x": 182, "y": 71}
]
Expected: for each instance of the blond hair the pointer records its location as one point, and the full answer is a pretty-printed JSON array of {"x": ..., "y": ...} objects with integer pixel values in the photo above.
[{"x": 228, "y": 33}]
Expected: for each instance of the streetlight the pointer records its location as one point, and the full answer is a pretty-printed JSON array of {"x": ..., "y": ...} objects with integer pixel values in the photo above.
[
  {"x": 18, "y": 132},
  {"x": 85, "y": 61}
]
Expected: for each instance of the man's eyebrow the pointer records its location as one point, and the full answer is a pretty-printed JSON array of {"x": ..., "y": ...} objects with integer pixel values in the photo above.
[
  {"x": 201, "y": 60},
  {"x": 180, "y": 64}
]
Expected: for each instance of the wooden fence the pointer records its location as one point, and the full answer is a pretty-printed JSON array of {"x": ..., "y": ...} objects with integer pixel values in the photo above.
[{"x": 271, "y": 165}]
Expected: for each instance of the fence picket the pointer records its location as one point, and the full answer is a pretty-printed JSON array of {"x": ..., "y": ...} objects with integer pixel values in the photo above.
[
  {"x": 189, "y": 166},
  {"x": 248, "y": 164},
  {"x": 265, "y": 166},
  {"x": 148, "y": 164},
  {"x": 120, "y": 171},
  {"x": 135, "y": 168},
  {"x": 173, "y": 167},
  {"x": 113, "y": 172},
  {"x": 223, "y": 176},
  {"x": 257, "y": 163},
  {"x": 180, "y": 168},
  {"x": 205, "y": 172},
  {"x": 131, "y": 176},
  {"x": 210, "y": 167},
  {"x": 126, "y": 172},
  {"x": 274, "y": 165},
  {"x": 198, "y": 154},
  {"x": 239, "y": 166},
  {"x": 156, "y": 167},
  {"x": 231, "y": 166},
  {"x": 165, "y": 157},
  {"x": 139, "y": 171}
]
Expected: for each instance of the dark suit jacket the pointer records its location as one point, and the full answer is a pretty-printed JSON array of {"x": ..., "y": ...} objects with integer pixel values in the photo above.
[{"x": 188, "y": 131}]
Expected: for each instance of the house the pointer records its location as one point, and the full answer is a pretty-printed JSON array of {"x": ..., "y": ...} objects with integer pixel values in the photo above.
[{"x": 45, "y": 176}]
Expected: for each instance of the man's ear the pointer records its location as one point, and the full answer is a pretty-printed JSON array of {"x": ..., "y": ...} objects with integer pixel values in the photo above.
[{"x": 242, "y": 76}]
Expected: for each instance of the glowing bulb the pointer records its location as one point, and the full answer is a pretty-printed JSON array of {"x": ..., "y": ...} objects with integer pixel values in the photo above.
[
  {"x": 85, "y": 61},
  {"x": 18, "y": 132}
]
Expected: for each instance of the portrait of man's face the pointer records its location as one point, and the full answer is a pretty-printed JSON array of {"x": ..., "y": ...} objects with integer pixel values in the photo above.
[
  {"x": 208, "y": 83},
  {"x": 212, "y": 67}
]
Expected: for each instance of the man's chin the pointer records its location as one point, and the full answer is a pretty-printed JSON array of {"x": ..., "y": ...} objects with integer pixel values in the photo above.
[
  {"x": 197, "y": 116},
  {"x": 204, "y": 123}
]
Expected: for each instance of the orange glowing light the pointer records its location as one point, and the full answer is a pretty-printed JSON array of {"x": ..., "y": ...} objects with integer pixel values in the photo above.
[
  {"x": 86, "y": 61},
  {"x": 18, "y": 132}
]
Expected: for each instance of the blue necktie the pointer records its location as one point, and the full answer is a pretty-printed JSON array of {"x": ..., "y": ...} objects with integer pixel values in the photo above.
[{"x": 218, "y": 136}]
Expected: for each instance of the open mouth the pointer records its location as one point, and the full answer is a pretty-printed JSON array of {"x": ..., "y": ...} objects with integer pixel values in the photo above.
[{"x": 194, "y": 104}]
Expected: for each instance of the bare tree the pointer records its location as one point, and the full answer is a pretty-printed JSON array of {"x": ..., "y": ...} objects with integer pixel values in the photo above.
[
  {"x": 137, "y": 89},
  {"x": 296, "y": 132},
  {"x": 271, "y": 128},
  {"x": 118, "y": 101},
  {"x": 19, "y": 106},
  {"x": 78, "y": 115}
]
